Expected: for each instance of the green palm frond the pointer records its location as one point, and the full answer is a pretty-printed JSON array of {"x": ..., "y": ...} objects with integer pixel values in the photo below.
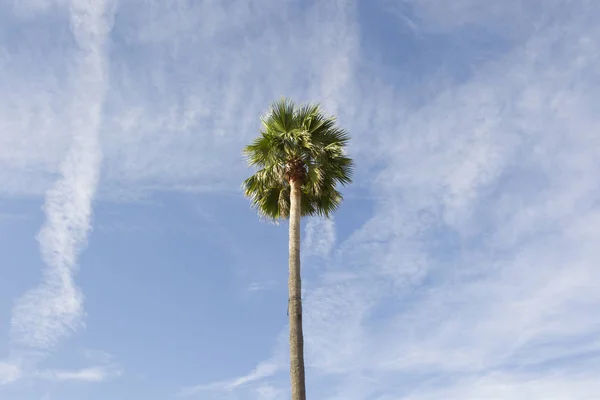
[{"x": 292, "y": 134}]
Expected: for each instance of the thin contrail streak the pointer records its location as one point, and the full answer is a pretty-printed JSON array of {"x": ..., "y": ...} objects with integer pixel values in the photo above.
[{"x": 47, "y": 313}]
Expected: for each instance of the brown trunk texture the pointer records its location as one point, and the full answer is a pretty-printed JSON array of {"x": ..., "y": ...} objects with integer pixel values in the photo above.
[{"x": 295, "y": 302}]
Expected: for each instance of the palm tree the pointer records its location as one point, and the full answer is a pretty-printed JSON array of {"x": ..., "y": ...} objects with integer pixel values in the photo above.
[{"x": 300, "y": 156}]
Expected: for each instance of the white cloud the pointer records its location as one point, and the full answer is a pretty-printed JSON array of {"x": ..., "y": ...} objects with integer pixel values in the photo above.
[
  {"x": 263, "y": 370},
  {"x": 218, "y": 109},
  {"x": 91, "y": 374},
  {"x": 45, "y": 314},
  {"x": 319, "y": 237},
  {"x": 9, "y": 373}
]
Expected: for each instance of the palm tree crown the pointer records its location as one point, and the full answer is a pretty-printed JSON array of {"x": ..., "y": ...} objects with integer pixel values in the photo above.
[{"x": 297, "y": 143}]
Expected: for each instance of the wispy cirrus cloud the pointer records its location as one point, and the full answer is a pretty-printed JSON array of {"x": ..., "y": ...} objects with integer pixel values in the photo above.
[
  {"x": 477, "y": 265},
  {"x": 47, "y": 313},
  {"x": 201, "y": 116},
  {"x": 188, "y": 112}
]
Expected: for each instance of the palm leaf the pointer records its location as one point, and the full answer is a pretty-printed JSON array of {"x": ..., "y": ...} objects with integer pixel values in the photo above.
[{"x": 293, "y": 134}]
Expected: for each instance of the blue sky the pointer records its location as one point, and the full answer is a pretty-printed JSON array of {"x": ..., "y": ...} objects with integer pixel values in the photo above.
[{"x": 462, "y": 265}]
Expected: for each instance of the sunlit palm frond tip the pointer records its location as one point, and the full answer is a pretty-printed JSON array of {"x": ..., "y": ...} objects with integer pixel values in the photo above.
[{"x": 297, "y": 135}]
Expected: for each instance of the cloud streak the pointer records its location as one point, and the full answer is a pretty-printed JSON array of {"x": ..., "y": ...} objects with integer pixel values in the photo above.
[
  {"x": 50, "y": 311},
  {"x": 263, "y": 370},
  {"x": 90, "y": 374}
]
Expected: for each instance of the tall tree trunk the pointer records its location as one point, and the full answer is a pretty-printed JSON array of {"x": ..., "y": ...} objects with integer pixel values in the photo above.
[{"x": 295, "y": 301}]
